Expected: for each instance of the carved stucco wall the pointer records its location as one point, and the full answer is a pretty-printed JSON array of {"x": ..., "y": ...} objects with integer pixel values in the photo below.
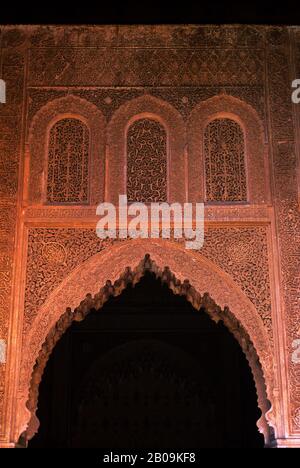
[
  {"x": 282, "y": 132},
  {"x": 74, "y": 107},
  {"x": 12, "y": 69},
  {"x": 53, "y": 253},
  {"x": 146, "y": 106},
  {"x": 226, "y": 301},
  {"x": 106, "y": 69},
  {"x": 224, "y": 106}
]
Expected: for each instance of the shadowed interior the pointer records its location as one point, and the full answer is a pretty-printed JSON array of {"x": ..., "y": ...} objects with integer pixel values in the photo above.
[{"x": 147, "y": 371}]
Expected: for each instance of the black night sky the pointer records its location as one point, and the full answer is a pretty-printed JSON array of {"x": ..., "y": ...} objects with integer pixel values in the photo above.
[{"x": 150, "y": 12}]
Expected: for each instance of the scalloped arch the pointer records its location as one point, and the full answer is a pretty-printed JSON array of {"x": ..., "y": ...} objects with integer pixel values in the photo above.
[
  {"x": 52, "y": 112},
  {"x": 107, "y": 273}
]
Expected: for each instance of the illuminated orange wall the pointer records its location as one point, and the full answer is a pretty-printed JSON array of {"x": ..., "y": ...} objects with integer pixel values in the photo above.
[{"x": 183, "y": 75}]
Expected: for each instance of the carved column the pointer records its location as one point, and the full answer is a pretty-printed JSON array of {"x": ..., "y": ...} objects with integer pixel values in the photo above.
[
  {"x": 12, "y": 70},
  {"x": 285, "y": 199}
]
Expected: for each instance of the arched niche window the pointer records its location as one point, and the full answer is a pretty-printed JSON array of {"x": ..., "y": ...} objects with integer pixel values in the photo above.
[
  {"x": 146, "y": 161},
  {"x": 224, "y": 150},
  {"x": 68, "y": 162}
]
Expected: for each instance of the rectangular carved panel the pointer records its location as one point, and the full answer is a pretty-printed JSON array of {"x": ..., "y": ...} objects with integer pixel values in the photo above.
[{"x": 130, "y": 67}]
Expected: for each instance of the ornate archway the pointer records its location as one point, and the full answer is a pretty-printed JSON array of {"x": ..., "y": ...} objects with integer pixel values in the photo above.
[{"x": 108, "y": 273}]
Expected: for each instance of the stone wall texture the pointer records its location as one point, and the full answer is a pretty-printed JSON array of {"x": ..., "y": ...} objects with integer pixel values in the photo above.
[{"x": 119, "y": 82}]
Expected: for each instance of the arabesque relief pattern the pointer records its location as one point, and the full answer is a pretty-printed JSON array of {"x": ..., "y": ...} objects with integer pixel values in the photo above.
[
  {"x": 54, "y": 253},
  {"x": 37, "y": 147},
  {"x": 130, "y": 67},
  {"x": 286, "y": 203},
  {"x": 100, "y": 74},
  {"x": 204, "y": 275},
  {"x": 146, "y": 162},
  {"x": 12, "y": 70},
  {"x": 224, "y": 150},
  {"x": 183, "y": 99},
  {"x": 68, "y": 162}
]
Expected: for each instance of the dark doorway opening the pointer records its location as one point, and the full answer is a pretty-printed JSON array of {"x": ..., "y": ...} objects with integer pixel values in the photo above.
[{"x": 147, "y": 371}]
